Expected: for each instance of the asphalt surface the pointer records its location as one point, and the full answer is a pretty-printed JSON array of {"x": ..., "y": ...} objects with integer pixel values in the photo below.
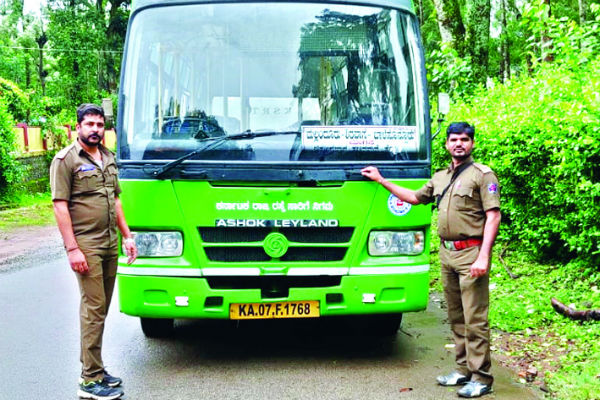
[{"x": 309, "y": 359}]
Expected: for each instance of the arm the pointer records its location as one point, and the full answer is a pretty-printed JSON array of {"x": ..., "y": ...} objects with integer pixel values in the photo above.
[
  {"x": 490, "y": 231},
  {"x": 400, "y": 192},
  {"x": 124, "y": 228},
  {"x": 65, "y": 226}
]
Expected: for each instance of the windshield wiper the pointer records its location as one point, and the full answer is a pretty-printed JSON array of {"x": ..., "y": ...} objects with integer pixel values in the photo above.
[{"x": 214, "y": 142}]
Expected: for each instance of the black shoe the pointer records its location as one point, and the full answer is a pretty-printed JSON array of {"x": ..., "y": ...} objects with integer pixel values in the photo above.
[
  {"x": 474, "y": 389},
  {"x": 452, "y": 379},
  {"x": 108, "y": 380},
  {"x": 97, "y": 390}
]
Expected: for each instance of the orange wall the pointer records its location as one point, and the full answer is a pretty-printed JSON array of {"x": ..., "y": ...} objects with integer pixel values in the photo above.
[{"x": 35, "y": 143}]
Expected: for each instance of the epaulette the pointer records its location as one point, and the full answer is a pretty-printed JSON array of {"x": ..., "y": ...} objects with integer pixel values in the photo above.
[
  {"x": 63, "y": 153},
  {"x": 483, "y": 168}
]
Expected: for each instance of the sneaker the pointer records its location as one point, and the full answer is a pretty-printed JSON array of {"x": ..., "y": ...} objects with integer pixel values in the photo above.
[
  {"x": 97, "y": 390},
  {"x": 474, "y": 389},
  {"x": 108, "y": 380},
  {"x": 452, "y": 379}
]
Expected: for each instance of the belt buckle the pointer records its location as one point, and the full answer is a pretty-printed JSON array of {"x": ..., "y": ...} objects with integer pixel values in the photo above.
[{"x": 449, "y": 244}]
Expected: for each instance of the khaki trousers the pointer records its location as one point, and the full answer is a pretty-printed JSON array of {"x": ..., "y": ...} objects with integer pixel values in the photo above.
[
  {"x": 96, "y": 288},
  {"x": 468, "y": 305}
]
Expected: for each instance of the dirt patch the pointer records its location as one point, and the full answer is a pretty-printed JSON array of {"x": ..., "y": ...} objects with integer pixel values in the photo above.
[
  {"x": 530, "y": 354},
  {"x": 20, "y": 246}
]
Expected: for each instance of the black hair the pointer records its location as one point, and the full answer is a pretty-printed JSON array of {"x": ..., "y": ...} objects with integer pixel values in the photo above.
[
  {"x": 461, "y": 127},
  {"x": 88, "y": 109}
]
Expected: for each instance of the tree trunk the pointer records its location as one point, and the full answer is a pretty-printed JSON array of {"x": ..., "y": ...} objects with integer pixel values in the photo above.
[
  {"x": 512, "y": 6},
  {"x": 581, "y": 11},
  {"x": 505, "y": 45},
  {"x": 450, "y": 23},
  {"x": 420, "y": 6},
  {"x": 41, "y": 42},
  {"x": 547, "y": 47},
  {"x": 586, "y": 315},
  {"x": 478, "y": 37}
]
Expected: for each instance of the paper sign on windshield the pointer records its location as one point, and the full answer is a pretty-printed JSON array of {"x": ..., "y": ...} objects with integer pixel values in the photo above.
[{"x": 394, "y": 139}]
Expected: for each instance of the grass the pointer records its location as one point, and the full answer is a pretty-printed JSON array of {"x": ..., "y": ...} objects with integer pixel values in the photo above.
[
  {"x": 33, "y": 210},
  {"x": 565, "y": 352}
]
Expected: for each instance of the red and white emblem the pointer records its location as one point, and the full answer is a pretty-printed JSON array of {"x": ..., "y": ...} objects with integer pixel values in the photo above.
[{"x": 397, "y": 206}]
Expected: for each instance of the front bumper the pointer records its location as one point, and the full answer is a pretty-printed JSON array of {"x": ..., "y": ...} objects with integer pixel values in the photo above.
[{"x": 192, "y": 297}]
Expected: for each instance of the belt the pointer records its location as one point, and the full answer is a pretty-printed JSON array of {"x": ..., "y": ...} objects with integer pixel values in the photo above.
[{"x": 461, "y": 244}]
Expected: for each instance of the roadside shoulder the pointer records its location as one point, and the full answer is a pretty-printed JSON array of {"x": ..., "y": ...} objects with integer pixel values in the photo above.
[{"x": 19, "y": 246}]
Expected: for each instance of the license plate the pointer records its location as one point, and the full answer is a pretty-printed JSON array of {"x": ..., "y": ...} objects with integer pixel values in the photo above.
[{"x": 282, "y": 309}]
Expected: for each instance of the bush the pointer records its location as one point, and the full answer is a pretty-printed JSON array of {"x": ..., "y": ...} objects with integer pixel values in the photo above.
[
  {"x": 542, "y": 137},
  {"x": 17, "y": 102},
  {"x": 10, "y": 169},
  {"x": 541, "y": 134},
  {"x": 448, "y": 73}
]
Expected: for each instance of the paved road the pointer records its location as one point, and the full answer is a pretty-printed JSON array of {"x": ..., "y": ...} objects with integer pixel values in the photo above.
[{"x": 213, "y": 360}]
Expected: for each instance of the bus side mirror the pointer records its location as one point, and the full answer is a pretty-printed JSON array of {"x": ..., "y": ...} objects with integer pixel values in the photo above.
[
  {"x": 443, "y": 103},
  {"x": 107, "y": 106},
  {"x": 443, "y": 109}
]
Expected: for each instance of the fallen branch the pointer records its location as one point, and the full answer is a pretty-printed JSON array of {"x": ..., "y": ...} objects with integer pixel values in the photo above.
[
  {"x": 508, "y": 271},
  {"x": 585, "y": 315}
]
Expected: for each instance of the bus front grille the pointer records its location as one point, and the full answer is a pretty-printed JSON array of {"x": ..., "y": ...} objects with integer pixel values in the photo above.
[
  {"x": 298, "y": 235},
  {"x": 249, "y": 254}
]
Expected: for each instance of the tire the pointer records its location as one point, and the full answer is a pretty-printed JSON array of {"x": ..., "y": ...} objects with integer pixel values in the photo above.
[{"x": 157, "y": 327}]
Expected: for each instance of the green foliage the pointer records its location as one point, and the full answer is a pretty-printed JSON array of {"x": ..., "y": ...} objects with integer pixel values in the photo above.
[
  {"x": 70, "y": 55},
  {"x": 17, "y": 101},
  {"x": 524, "y": 303},
  {"x": 91, "y": 40},
  {"x": 53, "y": 134},
  {"x": 522, "y": 306},
  {"x": 542, "y": 137},
  {"x": 561, "y": 40},
  {"x": 579, "y": 380},
  {"x": 30, "y": 210},
  {"x": 10, "y": 170},
  {"x": 447, "y": 72}
]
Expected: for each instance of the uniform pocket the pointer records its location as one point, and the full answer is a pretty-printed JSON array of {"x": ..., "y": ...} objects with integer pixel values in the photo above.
[
  {"x": 464, "y": 198},
  {"x": 85, "y": 181}
]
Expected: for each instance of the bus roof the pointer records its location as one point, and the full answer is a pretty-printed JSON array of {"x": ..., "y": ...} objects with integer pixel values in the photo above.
[{"x": 403, "y": 4}]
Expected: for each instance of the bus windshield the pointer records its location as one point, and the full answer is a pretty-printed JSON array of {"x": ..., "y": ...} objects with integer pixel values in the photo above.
[{"x": 307, "y": 82}]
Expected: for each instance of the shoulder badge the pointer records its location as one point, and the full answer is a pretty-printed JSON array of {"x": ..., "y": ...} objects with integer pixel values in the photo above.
[
  {"x": 483, "y": 168},
  {"x": 63, "y": 153},
  {"x": 492, "y": 188}
]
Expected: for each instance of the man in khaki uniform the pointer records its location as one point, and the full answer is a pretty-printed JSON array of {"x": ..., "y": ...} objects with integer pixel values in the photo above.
[
  {"x": 85, "y": 190},
  {"x": 468, "y": 201}
]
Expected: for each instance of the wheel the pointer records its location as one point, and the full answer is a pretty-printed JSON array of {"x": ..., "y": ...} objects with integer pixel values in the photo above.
[
  {"x": 157, "y": 327},
  {"x": 383, "y": 324}
]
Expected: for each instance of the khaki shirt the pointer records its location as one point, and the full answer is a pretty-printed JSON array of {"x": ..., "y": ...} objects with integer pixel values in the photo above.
[
  {"x": 461, "y": 213},
  {"x": 90, "y": 191}
]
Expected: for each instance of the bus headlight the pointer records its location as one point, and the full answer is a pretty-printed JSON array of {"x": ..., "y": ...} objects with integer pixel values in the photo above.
[
  {"x": 158, "y": 244},
  {"x": 391, "y": 243}
]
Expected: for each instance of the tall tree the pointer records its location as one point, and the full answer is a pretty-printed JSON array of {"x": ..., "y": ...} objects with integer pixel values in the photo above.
[
  {"x": 504, "y": 43},
  {"x": 581, "y": 4},
  {"x": 87, "y": 36},
  {"x": 41, "y": 40},
  {"x": 478, "y": 37},
  {"x": 450, "y": 23}
]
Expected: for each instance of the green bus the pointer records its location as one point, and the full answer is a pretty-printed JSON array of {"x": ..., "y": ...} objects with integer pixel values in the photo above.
[{"x": 242, "y": 130}]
